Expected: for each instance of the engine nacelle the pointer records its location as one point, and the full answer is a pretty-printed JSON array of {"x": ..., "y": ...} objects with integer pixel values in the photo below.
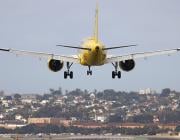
[
  {"x": 127, "y": 65},
  {"x": 55, "y": 65}
]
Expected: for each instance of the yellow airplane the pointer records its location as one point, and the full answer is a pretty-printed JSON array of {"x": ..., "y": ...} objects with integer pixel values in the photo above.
[{"x": 93, "y": 53}]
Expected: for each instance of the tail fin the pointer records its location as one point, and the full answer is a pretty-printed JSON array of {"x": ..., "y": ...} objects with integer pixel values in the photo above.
[{"x": 96, "y": 34}]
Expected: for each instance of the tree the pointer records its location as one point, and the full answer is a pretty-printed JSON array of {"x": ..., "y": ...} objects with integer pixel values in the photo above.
[
  {"x": 55, "y": 92},
  {"x": 39, "y": 97},
  {"x": 49, "y": 111},
  {"x": 151, "y": 129},
  {"x": 116, "y": 118},
  {"x": 165, "y": 92},
  {"x": 46, "y": 96},
  {"x": 169, "y": 116},
  {"x": 25, "y": 111},
  {"x": 143, "y": 118},
  {"x": 28, "y": 129},
  {"x": 17, "y": 97},
  {"x": 5, "y": 131},
  {"x": 51, "y": 129},
  {"x": 8, "y": 98},
  {"x": 177, "y": 129},
  {"x": 77, "y": 92}
]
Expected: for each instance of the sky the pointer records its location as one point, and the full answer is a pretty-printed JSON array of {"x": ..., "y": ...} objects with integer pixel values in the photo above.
[{"x": 38, "y": 25}]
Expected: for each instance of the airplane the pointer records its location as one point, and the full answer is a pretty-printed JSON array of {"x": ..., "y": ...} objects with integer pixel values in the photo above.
[{"x": 92, "y": 53}]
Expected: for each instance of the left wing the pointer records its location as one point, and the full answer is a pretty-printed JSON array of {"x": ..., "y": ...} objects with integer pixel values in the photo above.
[
  {"x": 71, "y": 58},
  {"x": 112, "y": 59}
]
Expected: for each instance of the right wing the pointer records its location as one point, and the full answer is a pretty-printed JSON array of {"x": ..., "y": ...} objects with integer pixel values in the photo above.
[
  {"x": 70, "y": 58},
  {"x": 112, "y": 59}
]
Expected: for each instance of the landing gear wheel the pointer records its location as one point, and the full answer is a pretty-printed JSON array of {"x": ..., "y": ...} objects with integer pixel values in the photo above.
[
  {"x": 65, "y": 75},
  {"x": 116, "y": 73},
  {"x": 71, "y": 75},
  {"x": 113, "y": 74},
  {"x": 89, "y": 72},
  {"x": 119, "y": 74}
]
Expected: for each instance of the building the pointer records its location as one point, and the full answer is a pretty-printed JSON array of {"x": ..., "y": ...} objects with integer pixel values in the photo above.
[
  {"x": 131, "y": 125},
  {"x": 44, "y": 121},
  {"x": 170, "y": 126},
  {"x": 146, "y": 91},
  {"x": 18, "y": 117},
  {"x": 101, "y": 118},
  {"x": 88, "y": 124},
  {"x": 12, "y": 126}
]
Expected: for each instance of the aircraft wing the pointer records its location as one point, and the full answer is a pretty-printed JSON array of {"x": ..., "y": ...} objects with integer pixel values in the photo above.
[
  {"x": 70, "y": 58},
  {"x": 112, "y": 59}
]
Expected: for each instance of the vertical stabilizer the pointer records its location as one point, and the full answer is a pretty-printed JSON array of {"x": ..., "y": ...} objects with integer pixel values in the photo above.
[{"x": 96, "y": 34}]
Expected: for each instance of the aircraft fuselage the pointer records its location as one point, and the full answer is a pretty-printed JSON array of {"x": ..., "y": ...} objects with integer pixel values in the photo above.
[{"x": 96, "y": 56}]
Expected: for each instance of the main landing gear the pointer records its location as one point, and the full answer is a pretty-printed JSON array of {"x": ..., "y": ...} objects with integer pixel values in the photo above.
[
  {"x": 89, "y": 72},
  {"x": 116, "y": 72},
  {"x": 68, "y": 72}
]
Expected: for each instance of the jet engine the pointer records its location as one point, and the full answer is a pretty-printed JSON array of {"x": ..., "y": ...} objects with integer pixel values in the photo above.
[
  {"x": 127, "y": 65},
  {"x": 55, "y": 65}
]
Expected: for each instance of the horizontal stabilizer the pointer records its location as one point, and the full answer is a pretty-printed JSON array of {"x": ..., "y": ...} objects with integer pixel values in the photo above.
[
  {"x": 110, "y": 48},
  {"x": 6, "y": 50},
  {"x": 81, "y": 48}
]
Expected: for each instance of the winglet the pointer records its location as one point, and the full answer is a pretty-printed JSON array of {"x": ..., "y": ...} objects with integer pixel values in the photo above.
[{"x": 96, "y": 34}]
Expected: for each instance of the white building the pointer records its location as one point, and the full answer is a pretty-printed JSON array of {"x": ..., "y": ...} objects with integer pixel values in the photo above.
[
  {"x": 100, "y": 118},
  {"x": 18, "y": 117},
  {"x": 44, "y": 102},
  {"x": 146, "y": 91},
  {"x": 1, "y": 116}
]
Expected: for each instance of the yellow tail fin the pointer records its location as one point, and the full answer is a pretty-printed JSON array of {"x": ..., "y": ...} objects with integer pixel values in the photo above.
[{"x": 96, "y": 34}]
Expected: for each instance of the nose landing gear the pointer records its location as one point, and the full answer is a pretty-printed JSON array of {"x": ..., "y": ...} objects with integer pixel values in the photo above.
[{"x": 89, "y": 72}]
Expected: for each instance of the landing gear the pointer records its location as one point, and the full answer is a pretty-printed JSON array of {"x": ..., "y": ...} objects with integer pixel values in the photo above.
[
  {"x": 116, "y": 72},
  {"x": 68, "y": 72},
  {"x": 89, "y": 72}
]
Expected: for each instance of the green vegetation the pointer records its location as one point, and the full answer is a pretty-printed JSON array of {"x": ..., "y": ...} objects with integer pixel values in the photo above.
[{"x": 34, "y": 129}]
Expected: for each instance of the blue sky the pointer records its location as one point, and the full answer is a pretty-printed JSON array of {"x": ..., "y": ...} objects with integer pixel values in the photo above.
[{"x": 40, "y": 25}]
